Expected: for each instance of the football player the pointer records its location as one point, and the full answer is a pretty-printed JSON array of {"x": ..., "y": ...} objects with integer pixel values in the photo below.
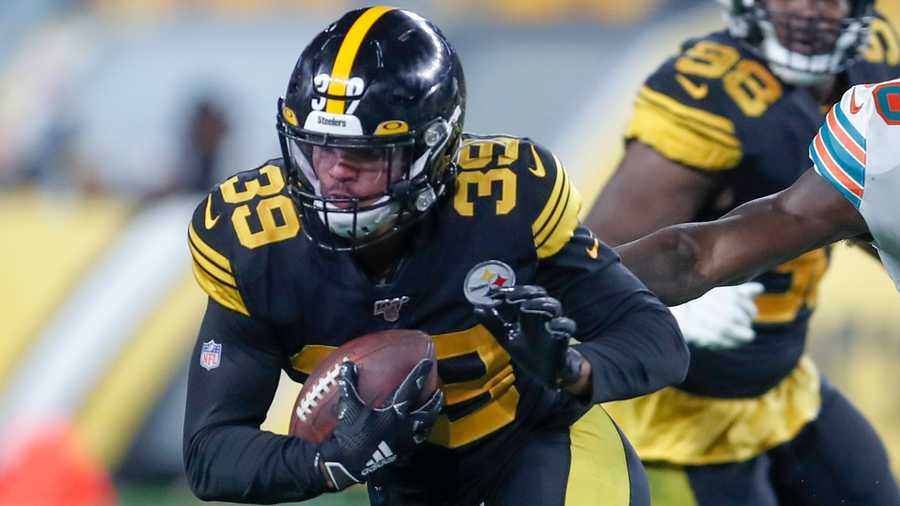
[
  {"x": 851, "y": 192},
  {"x": 383, "y": 214},
  {"x": 726, "y": 121}
]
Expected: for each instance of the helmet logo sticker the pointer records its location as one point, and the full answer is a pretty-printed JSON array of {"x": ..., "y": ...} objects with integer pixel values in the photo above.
[
  {"x": 353, "y": 87},
  {"x": 485, "y": 278}
]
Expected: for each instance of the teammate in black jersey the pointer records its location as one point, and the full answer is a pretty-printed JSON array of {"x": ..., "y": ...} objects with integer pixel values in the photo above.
[
  {"x": 728, "y": 120},
  {"x": 383, "y": 214}
]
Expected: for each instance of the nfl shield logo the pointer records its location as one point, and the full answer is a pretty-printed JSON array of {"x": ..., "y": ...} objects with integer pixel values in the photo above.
[{"x": 210, "y": 355}]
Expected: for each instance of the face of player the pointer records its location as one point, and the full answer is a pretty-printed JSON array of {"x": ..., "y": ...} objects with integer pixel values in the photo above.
[
  {"x": 346, "y": 173},
  {"x": 808, "y": 26}
]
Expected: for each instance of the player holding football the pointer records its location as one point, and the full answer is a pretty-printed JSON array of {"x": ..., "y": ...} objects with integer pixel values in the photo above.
[
  {"x": 724, "y": 122},
  {"x": 383, "y": 214}
]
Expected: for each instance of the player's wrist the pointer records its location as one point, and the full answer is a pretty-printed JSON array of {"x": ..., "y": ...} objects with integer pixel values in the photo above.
[{"x": 575, "y": 375}]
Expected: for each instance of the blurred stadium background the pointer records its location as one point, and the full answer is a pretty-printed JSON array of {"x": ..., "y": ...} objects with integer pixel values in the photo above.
[{"x": 115, "y": 117}]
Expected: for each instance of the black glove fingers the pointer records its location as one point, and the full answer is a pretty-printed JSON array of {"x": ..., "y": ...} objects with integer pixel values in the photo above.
[
  {"x": 350, "y": 404},
  {"x": 520, "y": 294},
  {"x": 404, "y": 398},
  {"x": 423, "y": 418},
  {"x": 547, "y": 306},
  {"x": 491, "y": 319},
  {"x": 562, "y": 326}
]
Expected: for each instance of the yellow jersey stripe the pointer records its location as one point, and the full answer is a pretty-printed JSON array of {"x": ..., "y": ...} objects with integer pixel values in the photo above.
[
  {"x": 115, "y": 410},
  {"x": 310, "y": 356},
  {"x": 343, "y": 62},
  {"x": 705, "y": 118},
  {"x": 598, "y": 472},
  {"x": 538, "y": 225},
  {"x": 681, "y": 143},
  {"x": 660, "y": 113},
  {"x": 563, "y": 221},
  {"x": 219, "y": 259},
  {"x": 211, "y": 268},
  {"x": 223, "y": 294}
]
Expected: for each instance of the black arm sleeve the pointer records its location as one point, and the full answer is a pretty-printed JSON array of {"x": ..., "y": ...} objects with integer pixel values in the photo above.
[
  {"x": 630, "y": 338},
  {"x": 227, "y": 457}
]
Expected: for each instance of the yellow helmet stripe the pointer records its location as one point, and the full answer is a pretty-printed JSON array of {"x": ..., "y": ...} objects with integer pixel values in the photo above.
[{"x": 343, "y": 63}]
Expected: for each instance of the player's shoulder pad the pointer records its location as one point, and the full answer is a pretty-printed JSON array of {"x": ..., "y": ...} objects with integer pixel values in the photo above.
[
  {"x": 527, "y": 183},
  {"x": 882, "y": 52},
  {"x": 219, "y": 230},
  {"x": 684, "y": 111}
]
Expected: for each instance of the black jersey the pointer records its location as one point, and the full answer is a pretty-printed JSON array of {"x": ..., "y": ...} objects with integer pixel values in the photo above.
[
  {"x": 716, "y": 107},
  {"x": 284, "y": 302}
]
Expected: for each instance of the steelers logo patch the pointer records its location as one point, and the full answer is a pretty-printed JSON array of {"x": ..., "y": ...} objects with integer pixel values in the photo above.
[{"x": 486, "y": 277}]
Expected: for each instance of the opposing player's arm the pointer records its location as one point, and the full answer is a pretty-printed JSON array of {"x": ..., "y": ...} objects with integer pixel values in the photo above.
[
  {"x": 227, "y": 457},
  {"x": 682, "y": 262}
]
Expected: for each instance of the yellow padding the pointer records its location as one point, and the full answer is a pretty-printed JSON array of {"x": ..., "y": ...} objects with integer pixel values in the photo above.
[
  {"x": 556, "y": 223},
  {"x": 135, "y": 381},
  {"x": 598, "y": 473},
  {"x": 49, "y": 241},
  {"x": 685, "y": 135},
  {"x": 680, "y": 428}
]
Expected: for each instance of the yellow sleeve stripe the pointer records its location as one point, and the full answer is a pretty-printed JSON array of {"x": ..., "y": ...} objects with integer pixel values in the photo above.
[
  {"x": 703, "y": 119},
  {"x": 685, "y": 135},
  {"x": 310, "y": 356},
  {"x": 223, "y": 294},
  {"x": 542, "y": 219},
  {"x": 553, "y": 232},
  {"x": 211, "y": 268},
  {"x": 207, "y": 250}
]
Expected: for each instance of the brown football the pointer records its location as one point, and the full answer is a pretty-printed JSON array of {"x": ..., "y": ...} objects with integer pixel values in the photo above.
[{"x": 383, "y": 360}]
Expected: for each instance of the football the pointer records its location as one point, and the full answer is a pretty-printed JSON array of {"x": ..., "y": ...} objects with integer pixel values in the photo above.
[{"x": 383, "y": 360}]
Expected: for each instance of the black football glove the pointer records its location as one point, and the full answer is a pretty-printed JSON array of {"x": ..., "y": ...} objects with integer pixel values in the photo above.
[
  {"x": 529, "y": 324},
  {"x": 366, "y": 438}
]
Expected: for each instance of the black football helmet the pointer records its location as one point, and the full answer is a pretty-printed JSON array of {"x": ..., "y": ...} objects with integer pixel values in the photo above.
[
  {"x": 384, "y": 84},
  {"x": 802, "y": 50}
]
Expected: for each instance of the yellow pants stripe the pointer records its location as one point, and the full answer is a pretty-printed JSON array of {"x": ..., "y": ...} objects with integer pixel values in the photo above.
[{"x": 598, "y": 474}]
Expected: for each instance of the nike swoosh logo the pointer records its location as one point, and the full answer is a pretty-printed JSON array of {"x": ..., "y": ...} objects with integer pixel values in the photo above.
[
  {"x": 696, "y": 91},
  {"x": 538, "y": 169},
  {"x": 208, "y": 221},
  {"x": 593, "y": 250},
  {"x": 854, "y": 107}
]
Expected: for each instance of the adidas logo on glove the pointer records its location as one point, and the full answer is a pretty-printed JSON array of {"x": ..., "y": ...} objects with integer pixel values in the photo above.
[{"x": 381, "y": 457}]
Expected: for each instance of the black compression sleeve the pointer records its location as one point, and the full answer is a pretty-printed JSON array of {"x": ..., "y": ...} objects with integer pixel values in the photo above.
[{"x": 227, "y": 457}]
